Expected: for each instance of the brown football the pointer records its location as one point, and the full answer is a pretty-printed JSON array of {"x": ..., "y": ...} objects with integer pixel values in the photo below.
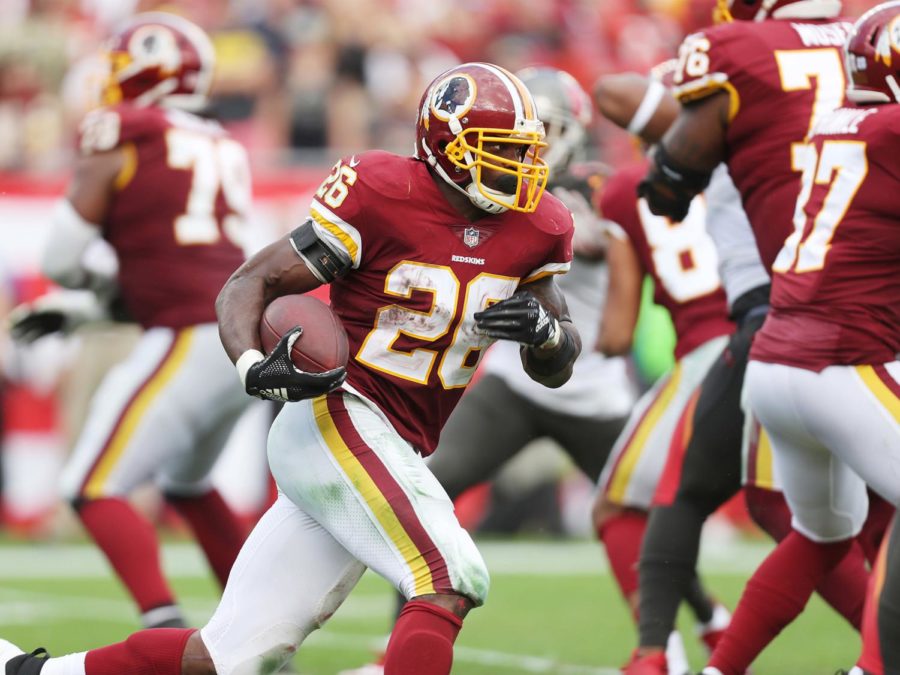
[{"x": 323, "y": 344}]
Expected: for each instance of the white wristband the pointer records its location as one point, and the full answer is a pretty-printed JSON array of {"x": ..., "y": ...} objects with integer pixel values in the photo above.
[
  {"x": 554, "y": 339},
  {"x": 247, "y": 359},
  {"x": 654, "y": 94}
]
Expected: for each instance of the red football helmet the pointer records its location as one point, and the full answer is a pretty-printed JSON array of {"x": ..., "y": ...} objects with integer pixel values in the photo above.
[
  {"x": 463, "y": 113},
  {"x": 160, "y": 58},
  {"x": 759, "y": 10},
  {"x": 872, "y": 56}
]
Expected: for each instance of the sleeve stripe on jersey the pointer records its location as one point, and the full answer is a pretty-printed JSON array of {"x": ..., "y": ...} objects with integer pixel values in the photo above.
[
  {"x": 707, "y": 86},
  {"x": 129, "y": 167},
  {"x": 547, "y": 270},
  {"x": 338, "y": 231}
]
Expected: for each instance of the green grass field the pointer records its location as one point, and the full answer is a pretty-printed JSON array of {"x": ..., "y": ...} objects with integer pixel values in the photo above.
[{"x": 553, "y": 608}]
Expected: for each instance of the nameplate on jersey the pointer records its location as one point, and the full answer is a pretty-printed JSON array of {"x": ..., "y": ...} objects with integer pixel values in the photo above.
[{"x": 469, "y": 260}]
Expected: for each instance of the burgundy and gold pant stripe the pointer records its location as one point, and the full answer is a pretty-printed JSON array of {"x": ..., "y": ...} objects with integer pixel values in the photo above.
[
  {"x": 885, "y": 388},
  {"x": 634, "y": 447},
  {"x": 385, "y": 497},
  {"x": 760, "y": 462},
  {"x": 133, "y": 412}
]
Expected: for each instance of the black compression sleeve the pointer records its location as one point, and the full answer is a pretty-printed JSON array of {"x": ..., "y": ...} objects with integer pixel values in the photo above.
[{"x": 324, "y": 260}]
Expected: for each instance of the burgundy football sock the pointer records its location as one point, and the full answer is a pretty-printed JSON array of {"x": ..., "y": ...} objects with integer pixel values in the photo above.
[
  {"x": 147, "y": 652},
  {"x": 776, "y": 593},
  {"x": 622, "y": 536},
  {"x": 217, "y": 529},
  {"x": 870, "y": 656},
  {"x": 422, "y": 640},
  {"x": 135, "y": 555},
  {"x": 881, "y": 514},
  {"x": 844, "y": 587}
]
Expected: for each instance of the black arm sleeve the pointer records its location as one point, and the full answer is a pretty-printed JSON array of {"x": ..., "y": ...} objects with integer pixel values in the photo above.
[
  {"x": 670, "y": 188},
  {"x": 325, "y": 261}
]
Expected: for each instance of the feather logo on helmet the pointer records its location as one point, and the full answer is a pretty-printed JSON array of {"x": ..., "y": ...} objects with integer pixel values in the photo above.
[
  {"x": 156, "y": 46},
  {"x": 453, "y": 97}
]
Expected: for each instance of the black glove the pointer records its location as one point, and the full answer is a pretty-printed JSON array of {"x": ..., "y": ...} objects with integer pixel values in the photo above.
[
  {"x": 60, "y": 311},
  {"x": 668, "y": 188},
  {"x": 521, "y": 318},
  {"x": 275, "y": 377}
]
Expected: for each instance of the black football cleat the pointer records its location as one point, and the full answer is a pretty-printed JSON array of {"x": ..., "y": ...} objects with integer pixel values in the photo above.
[{"x": 27, "y": 664}]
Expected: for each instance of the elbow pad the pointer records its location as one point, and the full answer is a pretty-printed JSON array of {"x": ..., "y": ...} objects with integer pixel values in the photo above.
[
  {"x": 669, "y": 188},
  {"x": 325, "y": 261}
]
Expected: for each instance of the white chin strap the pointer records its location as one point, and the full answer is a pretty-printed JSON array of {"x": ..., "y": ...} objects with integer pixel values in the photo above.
[
  {"x": 483, "y": 202},
  {"x": 471, "y": 190}
]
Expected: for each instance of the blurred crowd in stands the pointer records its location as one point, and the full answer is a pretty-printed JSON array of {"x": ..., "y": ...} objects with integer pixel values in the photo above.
[{"x": 302, "y": 80}]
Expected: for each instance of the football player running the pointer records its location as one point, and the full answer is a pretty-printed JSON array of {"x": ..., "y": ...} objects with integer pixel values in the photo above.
[
  {"x": 504, "y": 409},
  {"x": 420, "y": 305},
  {"x": 169, "y": 192},
  {"x": 824, "y": 377}
]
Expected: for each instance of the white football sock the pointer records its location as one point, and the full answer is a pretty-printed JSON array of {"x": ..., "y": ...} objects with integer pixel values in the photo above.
[{"x": 70, "y": 664}]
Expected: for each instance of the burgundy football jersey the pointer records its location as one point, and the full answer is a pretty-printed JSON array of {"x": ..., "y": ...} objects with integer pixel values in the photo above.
[
  {"x": 420, "y": 272},
  {"x": 180, "y": 204},
  {"x": 681, "y": 258},
  {"x": 836, "y": 281},
  {"x": 781, "y": 76}
]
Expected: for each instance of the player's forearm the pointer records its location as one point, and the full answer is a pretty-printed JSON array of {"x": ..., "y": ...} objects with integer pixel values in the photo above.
[
  {"x": 239, "y": 308},
  {"x": 615, "y": 337},
  {"x": 553, "y": 367},
  {"x": 274, "y": 271},
  {"x": 683, "y": 161}
]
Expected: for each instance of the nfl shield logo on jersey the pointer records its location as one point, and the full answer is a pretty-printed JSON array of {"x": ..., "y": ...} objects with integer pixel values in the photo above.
[{"x": 471, "y": 237}]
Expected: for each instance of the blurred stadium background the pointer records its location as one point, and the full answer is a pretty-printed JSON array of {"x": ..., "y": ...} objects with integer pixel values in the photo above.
[{"x": 301, "y": 82}]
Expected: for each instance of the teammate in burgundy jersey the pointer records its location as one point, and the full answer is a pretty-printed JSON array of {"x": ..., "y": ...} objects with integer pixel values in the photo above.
[
  {"x": 824, "y": 377},
  {"x": 686, "y": 281},
  {"x": 682, "y": 260},
  {"x": 167, "y": 191},
  {"x": 722, "y": 107},
  {"x": 430, "y": 259},
  {"x": 728, "y": 77}
]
